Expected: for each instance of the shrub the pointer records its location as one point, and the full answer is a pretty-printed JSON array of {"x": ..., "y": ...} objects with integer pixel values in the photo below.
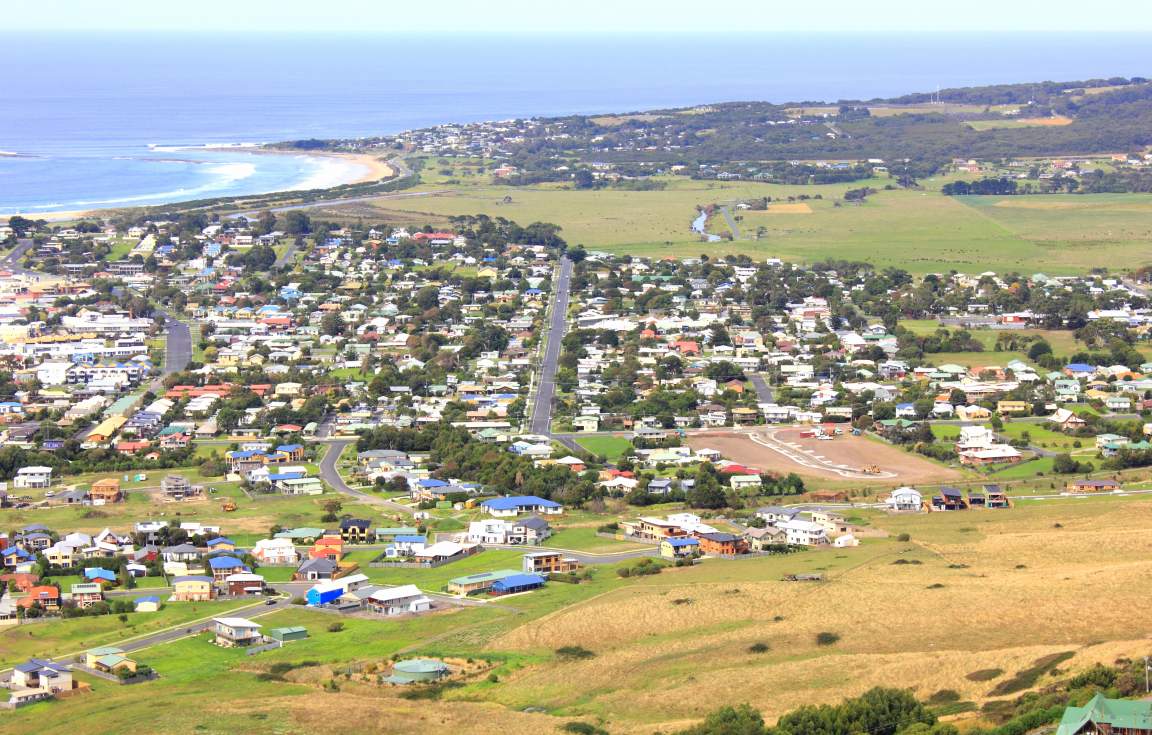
[
  {"x": 904, "y": 537},
  {"x": 335, "y": 627},
  {"x": 944, "y": 696},
  {"x": 574, "y": 653},
  {"x": 827, "y": 639},
  {"x": 760, "y": 647},
  {"x": 299, "y": 600},
  {"x": 984, "y": 675},
  {"x": 582, "y": 728}
]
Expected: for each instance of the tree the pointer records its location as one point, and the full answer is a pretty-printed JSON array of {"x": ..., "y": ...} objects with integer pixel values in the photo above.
[
  {"x": 583, "y": 179},
  {"x": 739, "y": 720},
  {"x": 297, "y": 223}
]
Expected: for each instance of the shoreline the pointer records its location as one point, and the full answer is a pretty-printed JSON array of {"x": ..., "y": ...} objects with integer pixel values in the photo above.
[{"x": 371, "y": 168}]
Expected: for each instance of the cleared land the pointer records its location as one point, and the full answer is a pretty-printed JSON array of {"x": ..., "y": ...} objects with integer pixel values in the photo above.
[
  {"x": 1020, "y": 122},
  {"x": 851, "y": 451}
]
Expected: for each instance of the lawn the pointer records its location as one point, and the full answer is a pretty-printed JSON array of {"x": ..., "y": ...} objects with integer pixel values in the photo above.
[
  {"x": 612, "y": 447},
  {"x": 975, "y": 359},
  {"x": 58, "y": 636},
  {"x": 433, "y": 580},
  {"x": 584, "y": 538}
]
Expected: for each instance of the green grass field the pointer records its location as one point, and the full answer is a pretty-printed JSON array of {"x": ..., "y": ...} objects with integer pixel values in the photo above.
[
  {"x": 612, "y": 447},
  {"x": 921, "y": 231},
  {"x": 58, "y": 636}
]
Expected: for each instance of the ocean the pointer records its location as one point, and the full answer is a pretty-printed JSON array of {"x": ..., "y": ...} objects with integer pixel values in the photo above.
[{"x": 104, "y": 120}]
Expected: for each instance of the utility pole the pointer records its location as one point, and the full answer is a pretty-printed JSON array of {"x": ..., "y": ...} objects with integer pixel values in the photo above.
[{"x": 1147, "y": 688}]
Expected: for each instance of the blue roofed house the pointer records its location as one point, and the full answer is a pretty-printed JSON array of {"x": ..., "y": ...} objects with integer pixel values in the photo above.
[
  {"x": 679, "y": 546},
  {"x": 223, "y": 566},
  {"x": 151, "y": 603},
  {"x": 514, "y": 505},
  {"x": 96, "y": 574}
]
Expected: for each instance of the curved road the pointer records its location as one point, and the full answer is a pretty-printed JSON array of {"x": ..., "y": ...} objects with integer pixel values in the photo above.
[{"x": 330, "y": 475}]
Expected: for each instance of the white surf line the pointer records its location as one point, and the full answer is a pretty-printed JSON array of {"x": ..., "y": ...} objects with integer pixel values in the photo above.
[{"x": 813, "y": 461}]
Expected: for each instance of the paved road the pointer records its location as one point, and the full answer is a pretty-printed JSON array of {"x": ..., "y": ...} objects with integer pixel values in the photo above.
[
  {"x": 557, "y": 327},
  {"x": 731, "y": 223},
  {"x": 331, "y": 475},
  {"x": 286, "y": 257},
  {"x": 582, "y": 556},
  {"x": 764, "y": 392},
  {"x": 11, "y": 261}
]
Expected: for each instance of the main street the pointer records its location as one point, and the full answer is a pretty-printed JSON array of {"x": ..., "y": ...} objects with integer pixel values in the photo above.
[{"x": 541, "y": 422}]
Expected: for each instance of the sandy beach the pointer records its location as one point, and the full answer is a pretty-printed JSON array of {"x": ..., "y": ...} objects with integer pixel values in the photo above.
[{"x": 348, "y": 168}]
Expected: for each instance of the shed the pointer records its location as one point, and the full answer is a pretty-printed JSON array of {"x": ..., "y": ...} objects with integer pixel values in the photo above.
[{"x": 289, "y": 633}]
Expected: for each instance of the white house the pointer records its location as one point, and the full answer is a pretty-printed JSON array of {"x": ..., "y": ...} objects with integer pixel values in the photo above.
[
  {"x": 398, "y": 600},
  {"x": 275, "y": 551},
  {"x": 33, "y": 477},
  {"x": 905, "y": 499},
  {"x": 804, "y": 533}
]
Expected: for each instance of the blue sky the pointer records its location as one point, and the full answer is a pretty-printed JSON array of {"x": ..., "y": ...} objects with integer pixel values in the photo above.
[{"x": 579, "y": 15}]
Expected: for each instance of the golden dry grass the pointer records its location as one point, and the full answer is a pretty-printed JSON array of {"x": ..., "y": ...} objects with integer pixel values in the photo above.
[
  {"x": 1014, "y": 588},
  {"x": 774, "y": 208}
]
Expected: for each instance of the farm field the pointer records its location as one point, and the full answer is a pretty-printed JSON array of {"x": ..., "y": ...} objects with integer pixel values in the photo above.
[
  {"x": 852, "y": 451},
  {"x": 921, "y": 231}
]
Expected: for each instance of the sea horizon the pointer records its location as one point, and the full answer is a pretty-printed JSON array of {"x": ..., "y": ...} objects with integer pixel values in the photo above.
[{"x": 92, "y": 116}]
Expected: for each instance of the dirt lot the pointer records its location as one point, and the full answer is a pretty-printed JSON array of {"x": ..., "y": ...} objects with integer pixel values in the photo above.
[{"x": 839, "y": 459}]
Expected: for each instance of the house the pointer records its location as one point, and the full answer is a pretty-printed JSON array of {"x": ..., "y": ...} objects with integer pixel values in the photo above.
[
  {"x": 1093, "y": 486},
  {"x": 549, "y": 562},
  {"x": 38, "y": 678},
  {"x": 679, "y": 546},
  {"x": 354, "y": 530},
  {"x": 401, "y": 600},
  {"x": 719, "y": 544},
  {"x": 1066, "y": 420},
  {"x": 223, "y": 566},
  {"x": 33, "y": 477},
  {"x": 745, "y": 482},
  {"x": 176, "y": 487},
  {"x": 237, "y": 632},
  {"x": 765, "y": 539},
  {"x": 529, "y": 531},
  {"x": 85, "y": 594},
  {"x": 315, "y": 569},
  {"x": 1102, "y": 716},
  {"x": 804, "y": 533},
  {"x": 517, "y": 583},
  {"x": 192, "y": 588},
  {"x": 949, "y": 499},
  {"x": 515, "y": 505},
  {"x": 109, "y": 659},
  {"x": 244, "y": 583},
  {"x": 105, "y": 491},
  {"x": 275, "y": 551},
  {"x": 652, "y": 529},
  {"x": 48, "y": 598},
  {"x": 474, "y": 583},
  {"x": 904, "y": 500},
  {"x": 1006, "y": 408},
  {"x": 773, "y": 514}
]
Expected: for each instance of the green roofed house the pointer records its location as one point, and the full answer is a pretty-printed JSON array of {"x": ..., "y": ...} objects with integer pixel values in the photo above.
[
  {"x": 416, "y": 670},
  {"x": 1107, "y": 717},
  {"x": 481, "y": 582},
  {"x": 290, "y": 633}
]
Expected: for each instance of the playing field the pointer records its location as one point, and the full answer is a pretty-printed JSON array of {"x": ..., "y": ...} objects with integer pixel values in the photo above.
[{"x": 921, "y": 231}]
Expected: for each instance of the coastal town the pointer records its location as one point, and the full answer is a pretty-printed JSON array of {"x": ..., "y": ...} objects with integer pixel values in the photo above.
[
  {"x": 215, "y": 424},
  {"x": 740, "y": 418}
]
